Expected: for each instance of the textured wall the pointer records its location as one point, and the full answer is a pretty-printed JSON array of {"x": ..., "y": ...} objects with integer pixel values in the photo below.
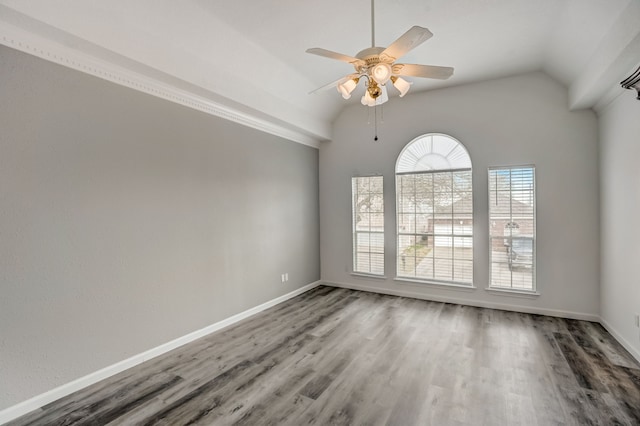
[
  {"x": 620, "y": 229},
  {"x": 511, "y": 121},
  {"x": 127, "y": 221}
]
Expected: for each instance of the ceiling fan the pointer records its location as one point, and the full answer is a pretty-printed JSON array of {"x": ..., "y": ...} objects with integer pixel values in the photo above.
[{"x": 377, "y": 65}]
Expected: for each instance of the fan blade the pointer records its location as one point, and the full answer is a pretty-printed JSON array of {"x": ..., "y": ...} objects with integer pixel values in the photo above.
[
  {"x": 333, "y": 55},
  {"x": 407, "y": 41},
  {"x": 424, "y": 71},
  {"x": 333, "y": 84}
]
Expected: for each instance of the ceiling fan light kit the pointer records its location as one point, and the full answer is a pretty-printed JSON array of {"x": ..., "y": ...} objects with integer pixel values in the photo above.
[{"x": 377, "y": 66}]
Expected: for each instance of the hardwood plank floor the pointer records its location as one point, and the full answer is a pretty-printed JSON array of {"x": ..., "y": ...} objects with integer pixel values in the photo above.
[{"x": 341, "y": 357}]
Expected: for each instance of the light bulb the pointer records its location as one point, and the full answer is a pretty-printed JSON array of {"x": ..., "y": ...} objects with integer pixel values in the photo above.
[{"x": 381, "y": 72}]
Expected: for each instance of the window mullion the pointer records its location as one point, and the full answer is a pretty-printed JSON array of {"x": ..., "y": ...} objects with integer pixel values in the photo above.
[
  {"x": 453, "y": 242},
  {"x": 510, "y": 220}
]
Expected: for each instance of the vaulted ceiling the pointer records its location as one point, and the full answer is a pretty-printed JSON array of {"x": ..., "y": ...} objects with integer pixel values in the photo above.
[{"x": 248, "y": 57}]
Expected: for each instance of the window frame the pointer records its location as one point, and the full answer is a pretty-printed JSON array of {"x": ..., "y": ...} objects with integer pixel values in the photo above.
[
  {"x": 534, "y": 291},
  {"x": 398, "y": 233},
  {"x": 355, "y": 232}
]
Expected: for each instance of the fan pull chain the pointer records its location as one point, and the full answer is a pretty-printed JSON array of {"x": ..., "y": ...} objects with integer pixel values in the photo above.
[
  {"x": 375, "y": 128},
  {"x": 375, "y": 136},
  {"x": 375, "y": 119}
]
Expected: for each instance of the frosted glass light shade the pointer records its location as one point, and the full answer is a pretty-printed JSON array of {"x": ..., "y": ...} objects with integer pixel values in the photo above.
[
  {"x": 384, "y": 97},
  {"x": 347, "y": 87},
  {"x": 367, "y": 99},
  {"x": 401, "y": 84},
  {"x": 381, "y": 73}
]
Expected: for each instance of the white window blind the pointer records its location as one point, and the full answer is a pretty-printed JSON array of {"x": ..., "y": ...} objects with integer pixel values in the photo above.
[
  {"x": 435, "y": 211},
  {"x": 512, "y": 228},
  {"x": 368, "y": 225}
]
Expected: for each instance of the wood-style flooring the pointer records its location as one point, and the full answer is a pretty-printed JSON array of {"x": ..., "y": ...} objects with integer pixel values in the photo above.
[{"x": 341, "y": 357}]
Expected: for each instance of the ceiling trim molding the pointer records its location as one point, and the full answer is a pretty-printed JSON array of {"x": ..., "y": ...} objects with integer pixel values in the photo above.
[
  {"x": 618, "y": 51},
  {"x": 614, "y": 92},
  {"x": 50, "y": 50}
]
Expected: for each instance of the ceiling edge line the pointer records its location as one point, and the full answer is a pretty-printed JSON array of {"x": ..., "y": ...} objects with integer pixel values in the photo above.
[{"x": 52, "y": 51}]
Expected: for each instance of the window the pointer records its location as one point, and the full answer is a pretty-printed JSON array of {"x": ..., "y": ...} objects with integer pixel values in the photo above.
[
  {"x": 435, "y": 211},
  {"x": 512, "y": 228},
  {"x": 368, "y": 225}
]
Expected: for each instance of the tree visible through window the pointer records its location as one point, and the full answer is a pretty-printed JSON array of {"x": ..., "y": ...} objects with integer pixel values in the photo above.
[
  {"x": 368, "y": 225},
  {"x": 512, "y": 227},
  {"x": 435, "y": 211}
]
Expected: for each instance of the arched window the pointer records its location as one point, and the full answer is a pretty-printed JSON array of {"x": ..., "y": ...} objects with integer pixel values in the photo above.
[{"x": 435, "y": 211}]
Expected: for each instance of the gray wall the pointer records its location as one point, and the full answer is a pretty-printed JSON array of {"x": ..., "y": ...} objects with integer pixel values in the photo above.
[
  {"x": 127, "y": 221},
  {"x": 620, "y": 229},
  {"x": 510, "y": 121}
]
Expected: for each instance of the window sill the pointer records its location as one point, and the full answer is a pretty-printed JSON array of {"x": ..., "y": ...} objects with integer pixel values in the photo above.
[
  {"x": 363, "y": 275},
  {"x": 452, "y": 286},
  {"x": 513, "y": 292}
]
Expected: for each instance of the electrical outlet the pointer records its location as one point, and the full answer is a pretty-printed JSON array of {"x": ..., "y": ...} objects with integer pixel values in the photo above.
[
  {"x": 286, "y": 276},
  {"x": 282, "y": 277},
  {"x": 637, "y": 320}
]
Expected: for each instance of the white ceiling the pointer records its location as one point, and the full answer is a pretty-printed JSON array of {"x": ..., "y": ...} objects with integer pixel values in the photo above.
[{"x": 250, "y": 55}]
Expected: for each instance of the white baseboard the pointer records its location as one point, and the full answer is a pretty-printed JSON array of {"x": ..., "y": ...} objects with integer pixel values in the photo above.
[
  {"x": 633, "y": 351},
  {"x": 38, "y": 401},
  {"x": 468, "y": 302}
]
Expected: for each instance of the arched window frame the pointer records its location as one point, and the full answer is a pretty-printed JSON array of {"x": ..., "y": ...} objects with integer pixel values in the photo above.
[{"x": 434, "y": 211}]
